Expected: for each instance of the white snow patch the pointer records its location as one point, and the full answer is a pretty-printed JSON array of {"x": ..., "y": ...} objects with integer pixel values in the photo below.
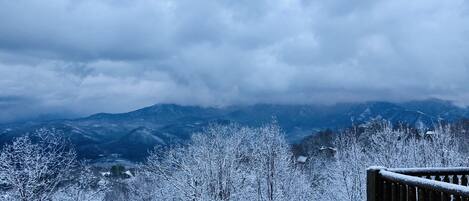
[{"x": 302, "y": 159}]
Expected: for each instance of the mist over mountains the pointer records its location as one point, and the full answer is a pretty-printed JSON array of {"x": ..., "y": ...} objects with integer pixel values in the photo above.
[{"x": 130, "y": 135}]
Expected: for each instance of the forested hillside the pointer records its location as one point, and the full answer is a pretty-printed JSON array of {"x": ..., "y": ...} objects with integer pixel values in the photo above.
[{"x": 131, "y": 135}]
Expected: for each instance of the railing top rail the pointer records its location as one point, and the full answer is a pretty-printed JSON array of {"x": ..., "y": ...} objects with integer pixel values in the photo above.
[
  {"x": 425, "y": 183},
  {"x": 431, "y": 171}
]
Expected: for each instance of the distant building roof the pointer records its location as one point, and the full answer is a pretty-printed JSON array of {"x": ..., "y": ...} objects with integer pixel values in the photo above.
[
  {"x": 302, "y": 159},
  {"x": 430, "y": 133},
  {"x": 323, "y": 148},
  {"x": 128, "y": 173},
  {"x": 105, "y": 174}
]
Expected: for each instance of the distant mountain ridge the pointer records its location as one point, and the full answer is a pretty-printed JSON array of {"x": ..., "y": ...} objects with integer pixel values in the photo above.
[{"x": 132, "y": 134}]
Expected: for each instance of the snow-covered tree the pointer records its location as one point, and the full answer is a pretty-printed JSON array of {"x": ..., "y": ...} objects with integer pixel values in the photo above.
[
  {"x": 276, "y": 176},
  {"x": 85, "y": 186},
  {"x": 33, "y": 167},
  {"x": 378, "y": 143},
  {"x": 225, "y": 163},
  {"x": 211, "y": 167},
  {"x": 145, "y": 186}
]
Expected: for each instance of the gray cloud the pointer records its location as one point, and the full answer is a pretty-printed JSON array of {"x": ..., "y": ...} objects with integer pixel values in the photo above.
[{"x": 116, "y": 55}]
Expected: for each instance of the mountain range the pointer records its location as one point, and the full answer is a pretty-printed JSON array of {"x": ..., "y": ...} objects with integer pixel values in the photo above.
[{"x": 130, "y": 135}]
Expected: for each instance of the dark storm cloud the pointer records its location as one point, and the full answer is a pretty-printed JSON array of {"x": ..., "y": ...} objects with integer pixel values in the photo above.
[{"x": 115, "y": 55}]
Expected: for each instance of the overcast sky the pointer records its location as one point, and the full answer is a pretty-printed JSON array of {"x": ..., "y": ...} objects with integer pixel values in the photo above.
[{"x": 87, "y": 56}]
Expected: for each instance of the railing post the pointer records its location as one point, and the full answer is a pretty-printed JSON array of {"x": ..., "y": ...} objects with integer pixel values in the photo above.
[{"x": 373, "y": 184}]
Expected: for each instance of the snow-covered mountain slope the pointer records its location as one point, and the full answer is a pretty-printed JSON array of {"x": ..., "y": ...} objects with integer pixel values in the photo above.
[{"x": 132, "y": 134}]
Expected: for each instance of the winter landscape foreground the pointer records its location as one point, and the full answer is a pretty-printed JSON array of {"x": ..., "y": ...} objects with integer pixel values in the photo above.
[{"x": 229, "y": 162}]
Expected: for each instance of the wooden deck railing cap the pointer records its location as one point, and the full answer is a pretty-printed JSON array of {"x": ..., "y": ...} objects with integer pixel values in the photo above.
[
  {"x": 411, "y": 184},
  {"x": 426, "y": 183},
  {"x": 431, "y": 171},
  {"x": 376, "y": 168}
]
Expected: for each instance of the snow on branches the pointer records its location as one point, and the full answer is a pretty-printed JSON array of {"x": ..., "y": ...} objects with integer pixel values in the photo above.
[
  {"x": 226, "y": 163},
  {"x": 33, "y": 167}
]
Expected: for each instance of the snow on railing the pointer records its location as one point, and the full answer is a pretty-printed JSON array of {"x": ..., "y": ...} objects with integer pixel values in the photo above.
[
  {"x": 430, "y": 171},
  {"x": 422, "y": 184}
]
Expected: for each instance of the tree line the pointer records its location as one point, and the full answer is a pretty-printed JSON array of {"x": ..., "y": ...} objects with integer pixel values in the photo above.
[{"x": 227, "y": 162}]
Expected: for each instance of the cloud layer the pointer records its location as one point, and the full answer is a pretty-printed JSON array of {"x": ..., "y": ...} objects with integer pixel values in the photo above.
[{"x": 89, "y": 56}]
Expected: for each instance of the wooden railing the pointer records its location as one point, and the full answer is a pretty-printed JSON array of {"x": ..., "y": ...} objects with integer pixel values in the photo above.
[{"x": 417, "y": 184}]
